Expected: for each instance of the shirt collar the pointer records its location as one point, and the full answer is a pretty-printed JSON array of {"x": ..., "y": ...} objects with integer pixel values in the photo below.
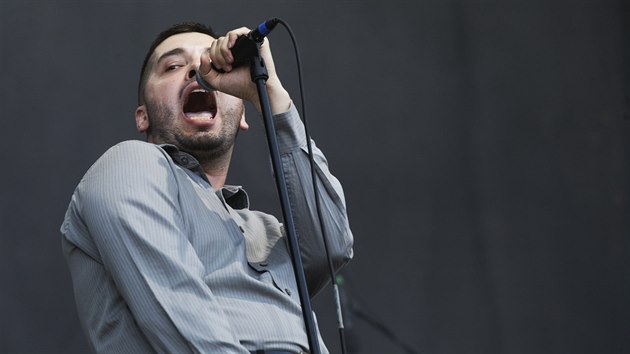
[{"x": 234, "y": 196}]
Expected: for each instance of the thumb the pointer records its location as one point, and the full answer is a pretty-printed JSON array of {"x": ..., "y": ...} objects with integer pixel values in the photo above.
[
  {"x": 204, "y": 65},
  {"x": 208, "y": 73}
]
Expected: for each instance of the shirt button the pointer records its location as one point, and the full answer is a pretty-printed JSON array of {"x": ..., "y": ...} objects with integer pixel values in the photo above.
[
  {"x": 286, "y": 290},
  {"x": 184, "y": 160},
  {"x": 241, "y": 228}
]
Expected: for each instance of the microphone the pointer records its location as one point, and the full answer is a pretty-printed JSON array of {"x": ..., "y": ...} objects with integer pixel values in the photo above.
[
  {"x": 259, "y": 33},
  {"x": 246, "y": 47}
]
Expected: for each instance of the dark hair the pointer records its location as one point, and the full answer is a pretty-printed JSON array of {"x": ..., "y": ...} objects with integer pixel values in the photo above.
[{"x": 171, "y": 31}]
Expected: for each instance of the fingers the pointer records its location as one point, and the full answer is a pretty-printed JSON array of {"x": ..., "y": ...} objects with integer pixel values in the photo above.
[
  {"x": 220, "y": 51},
  {"x": 217, "y": 68}
]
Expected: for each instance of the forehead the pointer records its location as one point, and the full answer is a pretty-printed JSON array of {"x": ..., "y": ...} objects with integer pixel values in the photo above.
[{"x": 190, "y": 42}]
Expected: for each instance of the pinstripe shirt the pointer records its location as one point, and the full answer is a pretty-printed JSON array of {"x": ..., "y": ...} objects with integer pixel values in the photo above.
[{"x": 162, "y": 262}]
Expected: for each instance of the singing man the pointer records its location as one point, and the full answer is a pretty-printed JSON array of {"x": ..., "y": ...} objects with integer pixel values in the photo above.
[{"x": 164, "y": 256}]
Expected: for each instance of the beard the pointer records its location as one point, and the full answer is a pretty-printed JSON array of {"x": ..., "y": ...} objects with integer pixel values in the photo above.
[{"x": 165, "y": 128}]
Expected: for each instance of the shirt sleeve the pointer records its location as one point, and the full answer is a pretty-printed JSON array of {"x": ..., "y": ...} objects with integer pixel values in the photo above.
[
  {"x": 297, "y": 170},
  {"x": 129, "y": 202}
]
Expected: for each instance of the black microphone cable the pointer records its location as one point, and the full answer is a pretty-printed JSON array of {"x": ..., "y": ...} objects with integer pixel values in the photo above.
[
  {"x": 331, "y": 268},
  {"x": 265, "y": 28}
]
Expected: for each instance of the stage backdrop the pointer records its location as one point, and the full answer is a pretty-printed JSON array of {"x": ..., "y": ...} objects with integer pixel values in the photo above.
[{"x": 483, "y": 146}]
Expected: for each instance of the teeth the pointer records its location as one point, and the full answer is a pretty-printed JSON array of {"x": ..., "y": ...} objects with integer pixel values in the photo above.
[
  {"x": 200, "y": 116},
  {"x": 199, "y": 90}
]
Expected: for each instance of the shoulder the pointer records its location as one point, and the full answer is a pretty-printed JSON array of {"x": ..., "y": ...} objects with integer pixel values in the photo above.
[
  {"x": 130, "y": 177},
  {"x": 131, "y": 149},
  {"x": 130, "y": 155},
  {"x": 127, "y": 167}
]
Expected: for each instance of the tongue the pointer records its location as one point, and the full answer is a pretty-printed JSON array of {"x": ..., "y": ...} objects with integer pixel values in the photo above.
[{"x": 199, "y": 106}]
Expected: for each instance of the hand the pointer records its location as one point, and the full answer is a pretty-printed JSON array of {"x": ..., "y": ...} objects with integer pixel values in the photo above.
[{"x": 237, "y": 81}]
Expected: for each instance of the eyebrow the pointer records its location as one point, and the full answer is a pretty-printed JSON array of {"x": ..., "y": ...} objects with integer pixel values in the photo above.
[{"x": 172, "y": 52}]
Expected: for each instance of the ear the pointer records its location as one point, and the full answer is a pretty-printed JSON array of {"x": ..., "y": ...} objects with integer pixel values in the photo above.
[
  {"x": 243, "y": 125},
  {"x": 142, "y": 119}
]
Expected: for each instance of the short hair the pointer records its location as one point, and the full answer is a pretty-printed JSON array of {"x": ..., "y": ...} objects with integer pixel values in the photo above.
[{"x": 185, "y": 27}]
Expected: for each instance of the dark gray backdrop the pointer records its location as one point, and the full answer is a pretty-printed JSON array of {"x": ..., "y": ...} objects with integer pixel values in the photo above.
[{"x": 483, "y": 146}]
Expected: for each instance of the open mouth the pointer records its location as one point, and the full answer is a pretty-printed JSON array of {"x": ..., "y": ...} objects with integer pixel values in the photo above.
[{"x": 200, "y": 105}]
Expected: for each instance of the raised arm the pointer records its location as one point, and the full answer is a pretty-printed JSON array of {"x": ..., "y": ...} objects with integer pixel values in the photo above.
[{"x": 293, "y": 148}]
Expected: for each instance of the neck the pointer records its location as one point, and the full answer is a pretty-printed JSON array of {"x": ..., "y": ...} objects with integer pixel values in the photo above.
[
  {"x": 216, "y": 177},
  {"x": 216, "y": 170},
  {"x": 214, "y": 164}
]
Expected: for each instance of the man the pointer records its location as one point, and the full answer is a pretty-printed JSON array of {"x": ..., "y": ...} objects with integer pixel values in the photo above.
[{"x": 167, "y": 258}]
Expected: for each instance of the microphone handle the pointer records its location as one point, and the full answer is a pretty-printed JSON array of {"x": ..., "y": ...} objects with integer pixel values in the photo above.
[
  {"x": 246, "y": 46},
  {"x": 243, "y": 50}
]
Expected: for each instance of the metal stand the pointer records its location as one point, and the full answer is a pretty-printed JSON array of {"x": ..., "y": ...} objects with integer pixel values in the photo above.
[
  {"x": 248, "y": 48},
  {"x": 259, "y": 76}
]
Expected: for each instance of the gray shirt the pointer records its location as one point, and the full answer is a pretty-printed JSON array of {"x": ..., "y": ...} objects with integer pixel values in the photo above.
[{"x": 162, "y": 262}]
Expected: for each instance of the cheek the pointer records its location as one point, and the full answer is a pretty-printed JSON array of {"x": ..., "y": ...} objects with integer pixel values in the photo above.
[
  {"x": 162, "y": 93},
  {"x": 227, "y": 102}
]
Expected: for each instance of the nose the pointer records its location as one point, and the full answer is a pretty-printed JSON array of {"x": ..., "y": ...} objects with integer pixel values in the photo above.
[{"x": 191, "y": 73}]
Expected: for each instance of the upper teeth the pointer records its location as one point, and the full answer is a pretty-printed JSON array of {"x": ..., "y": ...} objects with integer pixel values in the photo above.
[{"x": 199, "y": 90}]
